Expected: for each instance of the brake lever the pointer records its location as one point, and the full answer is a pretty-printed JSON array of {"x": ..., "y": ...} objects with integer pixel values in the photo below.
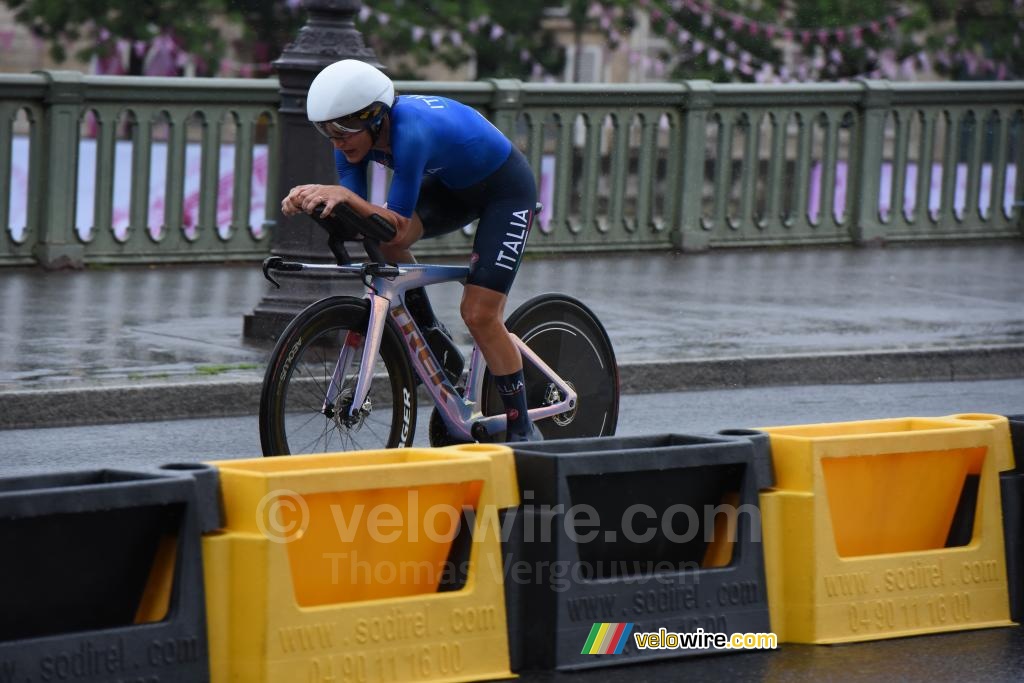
[
  {"x": 269, "y": 263},
  {"x": 277, "y": 263}
]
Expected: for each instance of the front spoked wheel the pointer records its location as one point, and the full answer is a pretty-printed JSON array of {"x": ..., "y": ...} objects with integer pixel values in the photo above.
[
  {"x": 571, "y": 340},
  {"x": 305, "y": 406}
]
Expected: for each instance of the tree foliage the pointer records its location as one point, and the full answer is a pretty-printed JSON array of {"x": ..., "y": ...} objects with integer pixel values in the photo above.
[
  {"x": 959, "y": 38},
  {"x": 963, "y": 38},
  {"x": 96, "y": 24},
  {"x": 506, "y": 39}
]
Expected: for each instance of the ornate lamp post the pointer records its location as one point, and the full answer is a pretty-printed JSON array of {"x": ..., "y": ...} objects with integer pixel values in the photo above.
[{"x": 328, "y": 36}]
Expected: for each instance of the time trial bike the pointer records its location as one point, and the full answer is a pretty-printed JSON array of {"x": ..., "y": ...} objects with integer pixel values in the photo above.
[{"x": 343, "y": 375}]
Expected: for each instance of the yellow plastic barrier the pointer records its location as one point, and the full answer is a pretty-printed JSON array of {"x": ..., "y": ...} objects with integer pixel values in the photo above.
[
  {"x": 856, "y": 528},
  {"x": 329, "y": 566}
]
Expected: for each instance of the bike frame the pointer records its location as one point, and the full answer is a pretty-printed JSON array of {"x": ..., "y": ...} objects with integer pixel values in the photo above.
[{"x": 386, "y": 295}]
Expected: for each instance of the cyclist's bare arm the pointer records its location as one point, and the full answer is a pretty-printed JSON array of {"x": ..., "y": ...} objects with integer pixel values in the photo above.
[{"x": 308, "y": 197}]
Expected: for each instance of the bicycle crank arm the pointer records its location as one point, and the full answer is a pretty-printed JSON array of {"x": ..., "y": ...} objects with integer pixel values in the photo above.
[{"x": 493, "y": 424}]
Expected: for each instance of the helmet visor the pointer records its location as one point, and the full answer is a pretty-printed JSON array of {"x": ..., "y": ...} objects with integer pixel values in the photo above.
[
  {"x": 340, "y": 128},
  {"x": 343, "y": 126}
]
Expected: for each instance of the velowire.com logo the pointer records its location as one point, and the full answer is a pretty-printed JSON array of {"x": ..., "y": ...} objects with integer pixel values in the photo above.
[{"x": 607, "y": 638}]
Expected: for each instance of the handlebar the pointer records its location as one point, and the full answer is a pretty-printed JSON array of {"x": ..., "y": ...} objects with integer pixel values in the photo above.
[
  {"x": 375, "y": 227},
  {"x": 344, "y": 224}
]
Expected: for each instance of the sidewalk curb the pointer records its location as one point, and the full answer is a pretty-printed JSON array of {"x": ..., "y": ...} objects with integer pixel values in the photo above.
[{"x": 219, "y": 397}]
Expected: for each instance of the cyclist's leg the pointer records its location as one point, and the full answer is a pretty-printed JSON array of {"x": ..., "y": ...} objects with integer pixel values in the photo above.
[
  {"x": 501, "y": 237},
  {"x": 438, "y": 211},
  {"x": 404, "y": 254}
]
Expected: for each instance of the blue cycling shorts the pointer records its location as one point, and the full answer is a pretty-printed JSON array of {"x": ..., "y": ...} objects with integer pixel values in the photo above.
[{"x": 504, "y": 203}]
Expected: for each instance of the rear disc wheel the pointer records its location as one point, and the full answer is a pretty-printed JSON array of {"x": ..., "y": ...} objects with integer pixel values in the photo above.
[{"x": 570, "y": 339}]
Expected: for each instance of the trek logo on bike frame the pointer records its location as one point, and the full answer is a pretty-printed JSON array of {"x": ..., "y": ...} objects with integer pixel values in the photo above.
[
  {"x": 418, "y": 348},
  {"x": 516, "y": 244}
]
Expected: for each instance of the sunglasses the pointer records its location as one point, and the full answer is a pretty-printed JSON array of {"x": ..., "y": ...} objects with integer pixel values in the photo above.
[
  {"x": 337, "y": 129},
  {"x": 346, "y": 126}
]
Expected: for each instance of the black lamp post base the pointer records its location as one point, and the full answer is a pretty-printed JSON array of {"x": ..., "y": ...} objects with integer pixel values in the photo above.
[{"x": 329, "y": 35}]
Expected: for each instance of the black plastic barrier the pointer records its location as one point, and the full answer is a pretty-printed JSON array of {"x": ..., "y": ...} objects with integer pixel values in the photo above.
[
  {"x": 102, "y": 577},
  {"x": 1011, "y": 486},
  {"x": 617, "y": 537}
]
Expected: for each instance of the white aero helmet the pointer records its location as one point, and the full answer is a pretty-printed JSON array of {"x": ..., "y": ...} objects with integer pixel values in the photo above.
[{"x": 349, "y": 96}]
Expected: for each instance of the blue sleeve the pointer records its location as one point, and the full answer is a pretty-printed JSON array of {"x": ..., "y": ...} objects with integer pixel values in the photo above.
[
  {"x": 410, "y": 148},
  {"x": 351, "y": 176}
]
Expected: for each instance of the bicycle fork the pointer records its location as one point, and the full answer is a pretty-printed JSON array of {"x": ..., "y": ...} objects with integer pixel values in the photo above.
[{"x": 371, "y": 343}]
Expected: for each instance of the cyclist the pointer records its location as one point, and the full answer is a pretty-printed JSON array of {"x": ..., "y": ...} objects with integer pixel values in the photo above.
[{"x": 451, "y": 166}]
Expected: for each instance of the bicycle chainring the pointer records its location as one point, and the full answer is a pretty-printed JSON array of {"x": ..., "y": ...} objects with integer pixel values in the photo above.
[{"x": 437, "y": 431}]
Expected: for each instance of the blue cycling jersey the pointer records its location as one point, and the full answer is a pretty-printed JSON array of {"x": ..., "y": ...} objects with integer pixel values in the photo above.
[{"x": 433, "y": 136}]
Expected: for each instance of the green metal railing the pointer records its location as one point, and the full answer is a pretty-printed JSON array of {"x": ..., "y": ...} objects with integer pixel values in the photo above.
[
  {"x": 687, "y": 165},
  {"x": 150, "y": 114}
]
